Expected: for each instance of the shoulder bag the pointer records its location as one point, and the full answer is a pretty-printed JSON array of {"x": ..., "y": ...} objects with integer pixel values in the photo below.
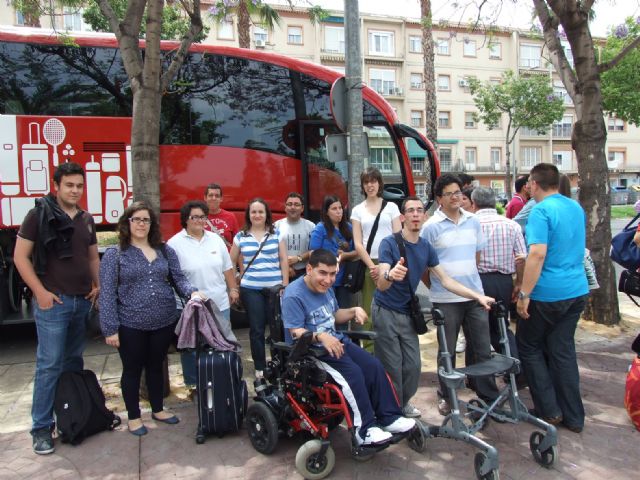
[
  {"x": 355, "y": 270},
  {"x": 623, "y": 251},
  {"x": 415, "y": 310},
  {"x": 262, "y": 244}
]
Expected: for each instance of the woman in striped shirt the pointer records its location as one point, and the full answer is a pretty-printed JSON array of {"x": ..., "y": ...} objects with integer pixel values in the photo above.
[{"x": 262, "y": 258}]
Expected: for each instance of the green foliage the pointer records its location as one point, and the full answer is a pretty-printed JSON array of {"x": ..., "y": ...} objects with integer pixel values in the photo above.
[
  {"x": 266, "y": 14},
  {"x": 620, "y": 92},
  {"x": 174, "y": 23},
  {"x": 527, "y": 101}
]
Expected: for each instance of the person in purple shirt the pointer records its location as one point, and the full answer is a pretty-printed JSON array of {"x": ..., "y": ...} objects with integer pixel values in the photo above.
[{"x": 138, "y": 308}]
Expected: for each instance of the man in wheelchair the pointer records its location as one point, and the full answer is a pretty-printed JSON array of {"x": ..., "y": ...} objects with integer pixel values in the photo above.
[{"x": 309, "y": 305}]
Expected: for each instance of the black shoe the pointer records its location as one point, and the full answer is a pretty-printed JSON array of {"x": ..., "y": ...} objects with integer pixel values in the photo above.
[
  {"x": 572, "y": 428},
  {"x": 43, "y": 442}
]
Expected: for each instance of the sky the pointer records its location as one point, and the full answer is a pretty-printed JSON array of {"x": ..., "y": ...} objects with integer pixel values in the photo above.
[{"x": 515, "y": 13}]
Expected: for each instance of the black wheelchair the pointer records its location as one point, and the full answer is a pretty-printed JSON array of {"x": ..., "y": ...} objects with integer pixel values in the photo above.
[
  {"x": 467, "y": 418},
  {"x": 296, "y": 395}
]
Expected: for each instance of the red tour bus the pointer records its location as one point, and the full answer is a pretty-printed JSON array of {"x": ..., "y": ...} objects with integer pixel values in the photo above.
[{"x": 259, "y": 124}]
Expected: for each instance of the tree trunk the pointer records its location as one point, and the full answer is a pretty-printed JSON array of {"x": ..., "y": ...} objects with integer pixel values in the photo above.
[
  {"x": 145, "y": 128},
  {"x": 589, "y": 145},
  {"x": 244, "y": 25},
  {"x": 507, "y": 166},
  {"x": 429, "y": 79}
]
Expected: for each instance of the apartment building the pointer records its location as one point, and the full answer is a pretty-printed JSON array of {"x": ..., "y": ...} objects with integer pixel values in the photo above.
[{"x": 393, "y": 65}]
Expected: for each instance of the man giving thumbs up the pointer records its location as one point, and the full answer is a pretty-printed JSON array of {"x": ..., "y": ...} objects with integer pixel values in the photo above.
[{"x": 397, "y": 344}]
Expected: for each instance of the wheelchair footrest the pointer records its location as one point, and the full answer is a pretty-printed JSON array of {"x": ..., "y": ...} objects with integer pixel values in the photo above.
[{"x": 497, "y": 365}]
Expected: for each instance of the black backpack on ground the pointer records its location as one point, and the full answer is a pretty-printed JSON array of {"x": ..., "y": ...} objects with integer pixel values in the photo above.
[{"x": 79, "y": 407}]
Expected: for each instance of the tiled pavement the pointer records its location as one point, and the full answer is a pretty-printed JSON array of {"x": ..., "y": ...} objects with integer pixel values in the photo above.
[{"x": 608, "y": 447}]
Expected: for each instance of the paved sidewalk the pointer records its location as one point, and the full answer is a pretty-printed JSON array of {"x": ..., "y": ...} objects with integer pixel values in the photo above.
[{"x": 607, "y": 448}]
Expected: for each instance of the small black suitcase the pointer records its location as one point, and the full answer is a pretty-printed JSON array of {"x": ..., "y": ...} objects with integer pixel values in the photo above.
[{"x": 222, "y": 393}]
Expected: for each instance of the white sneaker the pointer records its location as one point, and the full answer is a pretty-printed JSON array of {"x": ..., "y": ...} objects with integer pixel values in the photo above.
[
  {"x": 259, "y": 374},
  {"x": 410, "y": 411},
  {"x": 375, "y": 436},
  {"x": 461, "y": 344},
  {"x": 400, "y": 425}
]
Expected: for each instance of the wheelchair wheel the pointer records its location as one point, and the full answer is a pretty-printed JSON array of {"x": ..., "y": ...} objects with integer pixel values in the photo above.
[
  {"x": 478, "y": 461},
  {"x": 417, "y": 439},
  {"x": 546, "y": 458},
  {"x": 310, "y": 464},
  {"x": 263, "y": 428}
]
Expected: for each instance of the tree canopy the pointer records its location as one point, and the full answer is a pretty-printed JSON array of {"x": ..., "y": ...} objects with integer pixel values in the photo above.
[
  {"x": 620, "y": 92},
  {"x": 527, "y": 101}
]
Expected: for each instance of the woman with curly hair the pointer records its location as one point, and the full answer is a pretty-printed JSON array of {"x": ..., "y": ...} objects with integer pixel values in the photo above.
[{"x": 138, "y": 308}]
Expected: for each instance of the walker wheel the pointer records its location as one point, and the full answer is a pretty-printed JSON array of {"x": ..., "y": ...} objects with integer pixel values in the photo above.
[
  {"x": 478, "y": 461},
  {"x": 546, "y": 458},
  {"x": 417, "y": 439}
]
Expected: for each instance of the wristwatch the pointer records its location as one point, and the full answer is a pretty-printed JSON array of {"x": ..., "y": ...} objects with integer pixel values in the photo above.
[
  {"x": 522, "y": 295},
  {"x": 387, "y": 277}
]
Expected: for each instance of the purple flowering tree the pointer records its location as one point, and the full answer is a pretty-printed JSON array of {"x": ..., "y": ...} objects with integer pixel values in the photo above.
[{"x": 620, "y": 92}]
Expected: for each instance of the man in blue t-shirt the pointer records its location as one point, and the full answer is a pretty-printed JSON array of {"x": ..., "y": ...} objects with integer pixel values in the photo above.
[
  {"x": 397, "y": 344},
  {"x": 309, "y": 305},
  {"x": 552, "y": 297}
]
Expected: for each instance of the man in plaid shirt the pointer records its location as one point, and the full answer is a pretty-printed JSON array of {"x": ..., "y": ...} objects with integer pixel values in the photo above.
[{"x": 503, "y": 244}]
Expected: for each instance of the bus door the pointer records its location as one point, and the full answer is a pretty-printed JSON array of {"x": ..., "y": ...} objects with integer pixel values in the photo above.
[
  {"x": 385, "y": 156},
  {"x": 322, "y": 174}
]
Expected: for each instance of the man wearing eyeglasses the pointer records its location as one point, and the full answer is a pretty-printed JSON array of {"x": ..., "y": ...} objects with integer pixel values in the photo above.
[
  {"x": 297, "y": 232},
  {"x": 457, "y": 237},
  {"x": 396, "y": 345},
  {"x": 57, "y": 256}
]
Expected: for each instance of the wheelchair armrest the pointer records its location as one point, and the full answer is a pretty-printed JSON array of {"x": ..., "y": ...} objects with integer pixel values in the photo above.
[
  {"x": 284, "y": 346},
  {"x": 361, "y": 334},
  {"x": 315, "y": 350}
]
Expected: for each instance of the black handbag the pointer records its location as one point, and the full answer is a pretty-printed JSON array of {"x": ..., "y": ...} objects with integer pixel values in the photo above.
[
  {"x": 415, "y": 310},
  {"x": 630, "y": 284},
  {"x": 355, "y": 270}
]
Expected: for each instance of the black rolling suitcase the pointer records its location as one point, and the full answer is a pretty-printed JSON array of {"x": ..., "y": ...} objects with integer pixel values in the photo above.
[{"x": 222, "y": 393}]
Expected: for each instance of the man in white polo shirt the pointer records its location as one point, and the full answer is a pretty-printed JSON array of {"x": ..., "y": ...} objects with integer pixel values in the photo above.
[{"x": 457, "y": 237}]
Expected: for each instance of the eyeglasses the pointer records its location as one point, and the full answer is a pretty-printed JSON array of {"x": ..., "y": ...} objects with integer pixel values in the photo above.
[
  {"x": 140, "y": 220},
  {"x": 452, "y": 194},
  {"x": 414, "y": 210},
  {"x": 290, "y": 204},
  {"x": 202, "y": 218}
]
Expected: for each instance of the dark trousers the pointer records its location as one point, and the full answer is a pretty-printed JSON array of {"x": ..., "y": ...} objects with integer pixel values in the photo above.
[
  {"x": 499, "y": 286},
  {"x": 548, "y": 355},
  {"x": 143, "y": 349},
  {"x": 365, "y": 387},
  {"x": 473, "y": 319},
  {"x": 259, "y": 311},
  {"x": 345, "y": 300}
]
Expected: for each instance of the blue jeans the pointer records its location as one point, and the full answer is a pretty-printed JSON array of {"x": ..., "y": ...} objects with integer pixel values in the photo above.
[
  {"x": 259, "y": 311},
  {"x": 548, "y": 354},
  {"x": 61, "y": 340},
  {"x": 188, "y": 359}
]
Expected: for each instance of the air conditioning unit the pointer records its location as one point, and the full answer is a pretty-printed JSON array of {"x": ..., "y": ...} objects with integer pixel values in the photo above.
[
  {"x": 463, "y": 82},
  {"x": 398, "y": 91},
  {"x": 260, "y": 43}
]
